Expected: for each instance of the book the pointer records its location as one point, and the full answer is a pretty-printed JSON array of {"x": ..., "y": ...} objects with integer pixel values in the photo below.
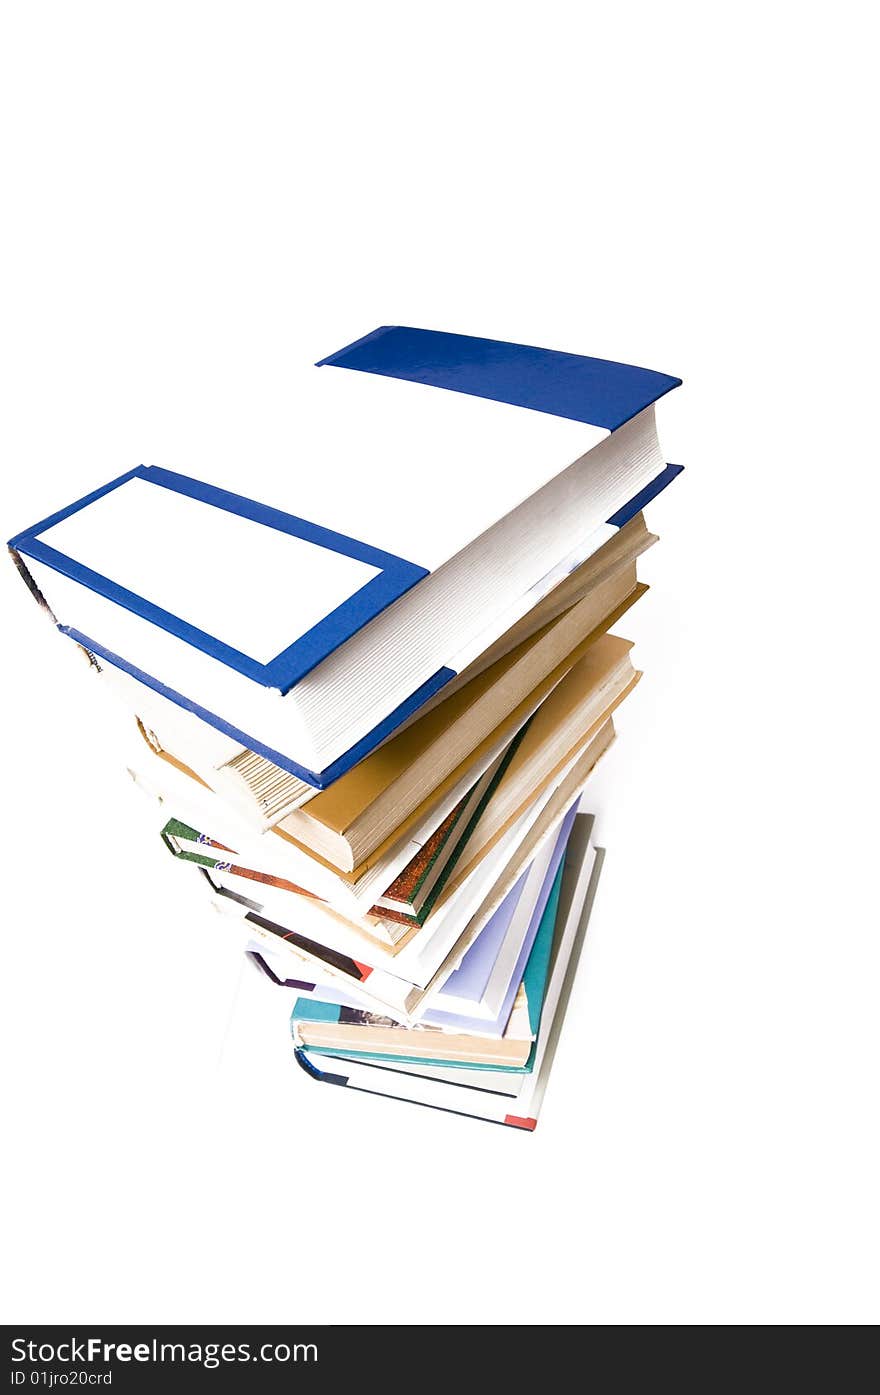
[
  {"x": 263, "y": 791},
  {"x": 372, "y": 583},
  {"x": 322, "y": 1022},
  {"x": 510, "y": 1098}
]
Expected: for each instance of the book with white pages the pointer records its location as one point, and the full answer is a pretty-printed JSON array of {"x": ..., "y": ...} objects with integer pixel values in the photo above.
[{"x": 311, "y": 616}]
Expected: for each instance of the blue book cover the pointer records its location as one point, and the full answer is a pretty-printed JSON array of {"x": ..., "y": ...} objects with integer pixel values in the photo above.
[{"x": 227, "y": 602}]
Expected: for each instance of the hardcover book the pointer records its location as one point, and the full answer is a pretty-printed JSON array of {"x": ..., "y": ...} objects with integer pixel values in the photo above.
[{"x": 371, "y": 583}]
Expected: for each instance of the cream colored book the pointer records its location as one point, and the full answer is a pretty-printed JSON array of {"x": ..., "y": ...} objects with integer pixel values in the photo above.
[{"x": 368, "y": 1032}]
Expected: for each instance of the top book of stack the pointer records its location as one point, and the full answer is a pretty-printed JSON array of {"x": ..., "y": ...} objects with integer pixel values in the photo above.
[{"x": 312, "y": 618}]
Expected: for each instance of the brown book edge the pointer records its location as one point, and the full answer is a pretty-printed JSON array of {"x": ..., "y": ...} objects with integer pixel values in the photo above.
[
  {"x": 159, "y": 750},
  {"x": 408, "y": 881},
  {"x": 581, "y": 744}
]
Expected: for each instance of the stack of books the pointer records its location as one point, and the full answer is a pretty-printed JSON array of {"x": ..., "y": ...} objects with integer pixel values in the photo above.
[{"x": 369, "y": 692}]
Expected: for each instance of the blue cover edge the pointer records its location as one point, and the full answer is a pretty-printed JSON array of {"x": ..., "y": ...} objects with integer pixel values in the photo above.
[
  {"x": 355, "y": 344},
  {"x": 323, "y": 1075},
  {"x": 595, "y": 391},
  {"x": 61, "y": 514},
  {"x": 644, "y": 496},
  {"x": 395, "y": 577}
]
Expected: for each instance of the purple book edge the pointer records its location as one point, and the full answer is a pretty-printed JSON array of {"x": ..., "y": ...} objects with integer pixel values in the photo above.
[
  {"x": 435, "y": 1018},
  {"x": 473, "y": 973}
]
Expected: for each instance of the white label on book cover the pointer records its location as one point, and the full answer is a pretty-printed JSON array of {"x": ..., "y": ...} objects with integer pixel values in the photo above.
[{"x": 251, "y": 586}]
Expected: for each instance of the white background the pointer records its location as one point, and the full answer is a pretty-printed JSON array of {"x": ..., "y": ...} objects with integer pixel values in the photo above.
[{"x": 197, "y": 198}]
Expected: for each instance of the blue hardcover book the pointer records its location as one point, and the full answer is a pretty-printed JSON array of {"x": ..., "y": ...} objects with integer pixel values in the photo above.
[{"x": 432, "y": 492}]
